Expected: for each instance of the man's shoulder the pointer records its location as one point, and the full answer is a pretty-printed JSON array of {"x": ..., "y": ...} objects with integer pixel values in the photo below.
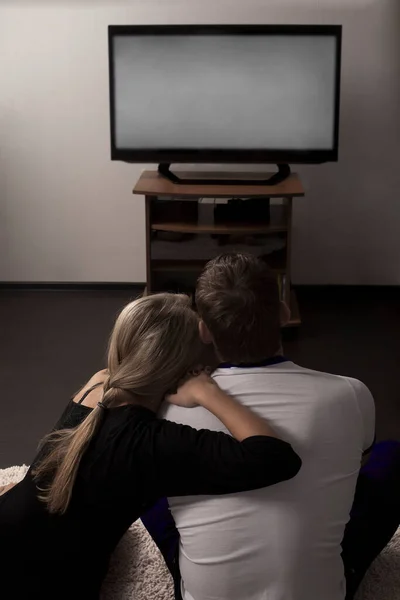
[
  {"x": 289, "y": 371},
  {"x": 286, "y": 382},
  {"x": 291, "y": 378},
  {"x": 353, "y": 386}
]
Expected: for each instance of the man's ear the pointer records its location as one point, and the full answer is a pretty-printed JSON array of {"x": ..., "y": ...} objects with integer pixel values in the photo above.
[
  {"x": 205, "y": 334},
  {"x": 285, "y": 314}
]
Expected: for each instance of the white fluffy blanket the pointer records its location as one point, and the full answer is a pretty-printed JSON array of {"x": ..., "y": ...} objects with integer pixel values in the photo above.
[{"x": 138, "y": 571}]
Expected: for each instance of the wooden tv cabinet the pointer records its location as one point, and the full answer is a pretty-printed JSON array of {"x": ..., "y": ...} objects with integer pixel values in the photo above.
[{"x": 176, "y": 238}]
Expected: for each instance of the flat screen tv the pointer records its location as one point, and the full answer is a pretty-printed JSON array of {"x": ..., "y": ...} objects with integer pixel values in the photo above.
[{"x": 225, "y": 94}]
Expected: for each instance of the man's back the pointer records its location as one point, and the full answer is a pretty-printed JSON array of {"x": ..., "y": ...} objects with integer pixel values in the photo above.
[{"x": 281, "y": 542}]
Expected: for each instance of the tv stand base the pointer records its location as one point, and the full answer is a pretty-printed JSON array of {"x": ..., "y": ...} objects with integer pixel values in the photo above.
[{"x": 282, "y": 174}]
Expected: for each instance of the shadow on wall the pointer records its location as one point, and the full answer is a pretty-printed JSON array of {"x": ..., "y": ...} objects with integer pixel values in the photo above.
[{"x": 351, "y": 212}]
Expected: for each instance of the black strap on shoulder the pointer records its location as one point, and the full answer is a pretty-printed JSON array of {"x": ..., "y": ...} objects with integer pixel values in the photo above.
[{"x": 88, "y": 391}]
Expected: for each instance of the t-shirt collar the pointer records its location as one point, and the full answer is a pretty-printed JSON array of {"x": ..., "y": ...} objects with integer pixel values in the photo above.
[{"x": 267, "y": 362}]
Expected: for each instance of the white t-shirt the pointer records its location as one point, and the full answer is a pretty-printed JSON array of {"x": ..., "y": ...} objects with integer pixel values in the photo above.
[{"x": 282, "y": 542}]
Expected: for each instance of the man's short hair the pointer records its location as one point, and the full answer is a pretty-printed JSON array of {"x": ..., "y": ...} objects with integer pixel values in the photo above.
[{"x": 237, "y": 297}]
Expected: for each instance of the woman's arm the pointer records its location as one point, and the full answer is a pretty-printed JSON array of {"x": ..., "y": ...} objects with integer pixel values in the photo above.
[
  {"x": 189, "y": 462},
  {"x": 238, "y": 419}
]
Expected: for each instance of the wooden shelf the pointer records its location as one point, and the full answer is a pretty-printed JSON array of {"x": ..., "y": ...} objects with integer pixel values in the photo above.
[
  {"x": 151, "y": 183},
  {"x": 278, "y": 223},
  {"x": 276, "y": 263}
]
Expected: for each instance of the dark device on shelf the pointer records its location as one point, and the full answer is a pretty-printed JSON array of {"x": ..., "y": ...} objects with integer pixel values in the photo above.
[
  {"x": 247, "y": 211},
  {"x": 225, "y": 94},
  {"x": 252, "y": 211},
  {"x": 163, "y": 211}
]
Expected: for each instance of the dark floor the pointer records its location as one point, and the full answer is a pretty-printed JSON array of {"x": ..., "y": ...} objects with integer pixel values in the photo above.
[{"x": 51, "y": 342}]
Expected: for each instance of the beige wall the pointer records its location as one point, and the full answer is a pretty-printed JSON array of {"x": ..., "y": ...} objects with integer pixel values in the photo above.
[{"x": 66, "y": 211}]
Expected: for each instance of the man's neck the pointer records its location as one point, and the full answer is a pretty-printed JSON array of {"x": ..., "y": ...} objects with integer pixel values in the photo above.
[
  {"x": 268, "y": 362},
  {"x": 223, "y": 360}
]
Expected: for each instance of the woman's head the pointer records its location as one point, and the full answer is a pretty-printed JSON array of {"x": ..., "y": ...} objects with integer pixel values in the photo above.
[{"x": 155, "y": 341}]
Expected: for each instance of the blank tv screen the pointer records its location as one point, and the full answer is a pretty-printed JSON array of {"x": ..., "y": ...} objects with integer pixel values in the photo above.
[{"x": 224, "y": 92}]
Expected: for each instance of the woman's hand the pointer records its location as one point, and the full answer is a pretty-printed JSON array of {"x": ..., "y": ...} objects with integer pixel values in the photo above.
[
  {"x": 192, "y": 391},
  {"x": 237, "y": 418}
]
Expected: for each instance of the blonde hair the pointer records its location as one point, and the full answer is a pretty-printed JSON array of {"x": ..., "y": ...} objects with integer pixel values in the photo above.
[{"x": 154, "y": 343}]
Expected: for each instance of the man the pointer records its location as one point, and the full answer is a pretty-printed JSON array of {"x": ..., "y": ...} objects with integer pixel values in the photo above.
[{"x": 282, "y": 542}]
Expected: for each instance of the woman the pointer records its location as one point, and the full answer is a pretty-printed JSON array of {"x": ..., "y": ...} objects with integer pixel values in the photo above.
[{"x": 110, "y": 460}]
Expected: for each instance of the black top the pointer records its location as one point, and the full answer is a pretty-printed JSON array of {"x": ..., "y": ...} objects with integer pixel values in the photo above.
[{"x": 134, "y": 459}]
